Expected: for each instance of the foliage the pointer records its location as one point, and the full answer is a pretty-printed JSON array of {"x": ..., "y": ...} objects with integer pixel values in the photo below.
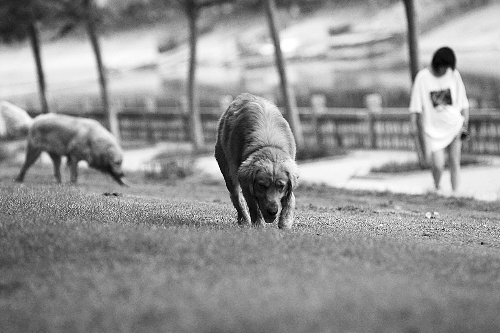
[
  {"x": 18, "y": 15},
  {"x": 170, "y": 167}
]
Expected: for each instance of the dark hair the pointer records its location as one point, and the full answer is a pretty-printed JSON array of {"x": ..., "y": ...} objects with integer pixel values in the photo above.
[{"x": 444, "y": 57}]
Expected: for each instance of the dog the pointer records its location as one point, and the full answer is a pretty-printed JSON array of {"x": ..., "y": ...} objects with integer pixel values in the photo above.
[
  {"x": 14, "y": 122},
  {"x": 76, "y": 138},
  {"x": 255, "y": 150}
]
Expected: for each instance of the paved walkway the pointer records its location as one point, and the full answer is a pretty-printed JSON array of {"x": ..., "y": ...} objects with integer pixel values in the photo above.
[{"x": 353, "y": 172}]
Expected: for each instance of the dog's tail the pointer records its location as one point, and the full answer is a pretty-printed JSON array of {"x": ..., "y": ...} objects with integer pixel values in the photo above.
[{"x": 15, "y": 122}]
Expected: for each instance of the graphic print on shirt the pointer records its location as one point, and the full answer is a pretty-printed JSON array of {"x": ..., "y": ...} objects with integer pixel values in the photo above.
[{"x": 441, "y": 97}]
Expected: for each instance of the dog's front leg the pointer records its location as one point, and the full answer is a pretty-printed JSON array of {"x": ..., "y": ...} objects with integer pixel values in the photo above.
[
  {"x": 239, "y": 203},
  {"x": 56, "y": 160},
  {"x": 73, "y": 168},
  {"x": 253, "y": 209},
  {"x": 287, "y": 213},
  {"x": 243, "y": 217},
  {"x": 32, "y": 155}
]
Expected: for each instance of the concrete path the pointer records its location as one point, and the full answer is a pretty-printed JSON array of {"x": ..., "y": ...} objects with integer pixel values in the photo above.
[{"x": 352, "y": 172}]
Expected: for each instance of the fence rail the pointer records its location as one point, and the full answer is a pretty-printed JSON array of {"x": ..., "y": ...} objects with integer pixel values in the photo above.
[{"x": 346, "y": 128}]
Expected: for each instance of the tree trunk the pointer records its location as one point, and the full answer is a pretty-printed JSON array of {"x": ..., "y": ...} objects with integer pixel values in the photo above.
[
  {"x": 412, "y": 38},
  {"x": 414, "y": 68},
  {"x": 195, "y": 125},
  {"x": 35, "y": 46},
  {"x": 292, "y": 113},
  {"x": 112, "y": 119}
]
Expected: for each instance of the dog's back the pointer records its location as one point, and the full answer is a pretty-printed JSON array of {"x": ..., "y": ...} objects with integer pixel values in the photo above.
[
  {"x": 14, "y": 121},
  {"x": 59, "y": 133},
  {"x": 251, "y": 123}
]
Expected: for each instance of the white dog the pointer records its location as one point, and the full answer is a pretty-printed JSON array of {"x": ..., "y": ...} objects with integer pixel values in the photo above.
[
  {"x": 14, "y": 121},
  {"x": 76, "y": 138}
]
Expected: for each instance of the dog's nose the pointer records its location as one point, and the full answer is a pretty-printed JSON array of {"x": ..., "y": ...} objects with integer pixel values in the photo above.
[{"x": 272, "y": 211}]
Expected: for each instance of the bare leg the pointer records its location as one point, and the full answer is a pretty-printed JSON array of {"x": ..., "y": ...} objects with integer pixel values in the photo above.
[
  {"x": 56, "y": 160},
  {"x": 437, "y": 167},
  {"x": 286, "y": 217},
  {"x": 454, "y": 160},
  {"x": 32, "y": 155}
]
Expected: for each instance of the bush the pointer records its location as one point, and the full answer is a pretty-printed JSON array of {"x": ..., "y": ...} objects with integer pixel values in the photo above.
[{"x": 174, "y": 167}]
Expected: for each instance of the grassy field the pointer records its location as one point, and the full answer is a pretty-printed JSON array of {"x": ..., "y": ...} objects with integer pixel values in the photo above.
[{"x": 167, "y": 256}]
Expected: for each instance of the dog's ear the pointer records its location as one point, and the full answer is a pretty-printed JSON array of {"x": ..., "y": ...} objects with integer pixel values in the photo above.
[
  {"x": 246, "y": 175},
  {"x": 292, "y": 172}
]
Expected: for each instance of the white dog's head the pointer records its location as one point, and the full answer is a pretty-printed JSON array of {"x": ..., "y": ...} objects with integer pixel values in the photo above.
[{"x": 109, "y": 160}]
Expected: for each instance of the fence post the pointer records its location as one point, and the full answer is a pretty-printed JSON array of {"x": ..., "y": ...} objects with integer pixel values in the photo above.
[
  {"x": 116, "y": 107},
  {"x": 373, "y": 103},
  {"x": 185, "y": 117},
  {"x": 114, "y": 122},
  {"x": 318, "y": 103},
  {"x": 150, "y": 106}
]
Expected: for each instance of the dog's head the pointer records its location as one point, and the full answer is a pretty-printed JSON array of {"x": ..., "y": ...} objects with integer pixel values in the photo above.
[
  {"x": 270, "y": 175},
  {"x": 109, "y": 161}
]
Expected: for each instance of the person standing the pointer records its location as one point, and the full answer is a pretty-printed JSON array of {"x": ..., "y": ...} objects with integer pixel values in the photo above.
[{"x": 440, "y": 113}]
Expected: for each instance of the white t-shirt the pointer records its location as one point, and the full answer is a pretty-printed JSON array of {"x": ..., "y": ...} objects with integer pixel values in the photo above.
[{"x": 440, "y": 100}]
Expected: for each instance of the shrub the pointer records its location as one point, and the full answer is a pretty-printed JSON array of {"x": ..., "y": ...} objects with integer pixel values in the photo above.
[{"x": 173, "y": 167}]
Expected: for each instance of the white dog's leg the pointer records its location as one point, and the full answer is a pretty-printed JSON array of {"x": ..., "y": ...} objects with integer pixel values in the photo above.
[
  {"x": 56, "y": 160},
  {"x": 32, "y": 155},
  {"x": 73, "y": 169},
  {"x": 286, "y": 216}
]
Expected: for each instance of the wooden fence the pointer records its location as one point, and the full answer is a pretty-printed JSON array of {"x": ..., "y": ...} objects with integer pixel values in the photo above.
[{"x": 330, "y": 127}]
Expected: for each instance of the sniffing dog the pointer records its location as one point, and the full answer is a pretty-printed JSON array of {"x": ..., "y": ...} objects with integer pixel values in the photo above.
[
  {"x": 255, "y": 150},
  {"x": 76, "y": 138}
]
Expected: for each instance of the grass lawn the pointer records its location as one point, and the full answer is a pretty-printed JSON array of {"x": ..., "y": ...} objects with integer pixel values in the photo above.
[{"x": 167, "y": 256}]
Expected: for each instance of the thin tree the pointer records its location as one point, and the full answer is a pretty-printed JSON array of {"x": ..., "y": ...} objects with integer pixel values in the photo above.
[
  {"x": 411, "y": 19},
  {"x": 90, "y": 25},
  {"x": 84, "y": 12},
  {"x": 20, "y": 21},
  {"x": 292, "y": 113},
  {"x": 192, "y": 9}
]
